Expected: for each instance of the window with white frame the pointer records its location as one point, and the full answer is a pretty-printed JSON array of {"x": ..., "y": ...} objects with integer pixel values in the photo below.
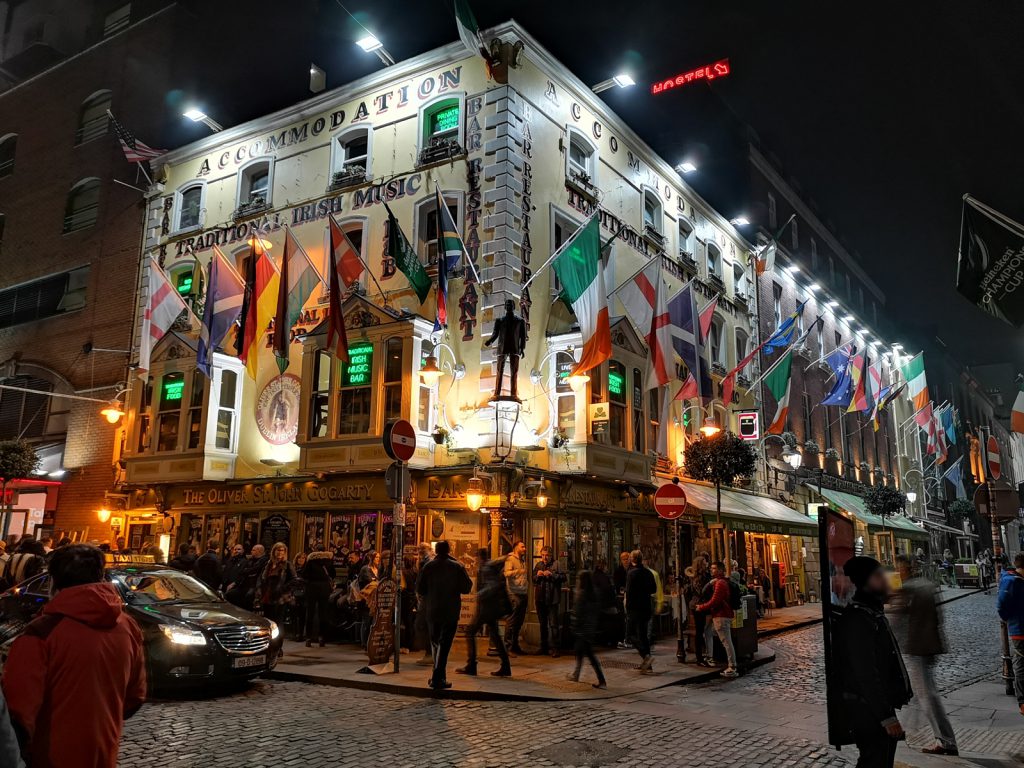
[
  {"x": 740, "y": 282},
  {"x": 581, "y": 159},
  {"x": 714, "y": 261},
  {"x": 428, "y": 225},
  {"x": 226, "y": 383},
  {"x": 254, "y": 185},
  {"x": 351, "y": 155},
  {"x": 441, "y": 124},
  {"x": 394, "y": 362},
  {"x": 773, "y": 212},
  {"x": 715, "y": 341},
  {"x": 653, "y": 216},
  {"x": 687, "y": 238},
  {"x": 320, "y": 395},
  {"x": 424, "y": 399},
  {"x": 190, "y": 206},
  {"x": 565, "y": 398},
  {"x": 742, "y": 348}
]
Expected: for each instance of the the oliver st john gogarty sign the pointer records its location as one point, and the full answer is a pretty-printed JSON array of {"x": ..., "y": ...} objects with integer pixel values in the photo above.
[{"x": 310, "y": 494}]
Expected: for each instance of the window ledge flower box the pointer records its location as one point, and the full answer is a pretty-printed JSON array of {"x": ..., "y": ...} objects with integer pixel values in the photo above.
[
  {"x": 654, "y": 237},
  {"x": 440, "y": 150},
  {"x": 256, "y": 204},
  {"x": 350, "y": 176},
  {"x": 581, "y": 183}
]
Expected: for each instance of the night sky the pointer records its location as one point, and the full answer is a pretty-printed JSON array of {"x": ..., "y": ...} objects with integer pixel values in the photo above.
[{"x": 887, "y": 113}]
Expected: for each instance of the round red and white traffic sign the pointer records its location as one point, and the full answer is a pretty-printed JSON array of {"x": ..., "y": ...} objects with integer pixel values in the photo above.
[
  {"x": 399, "y": 440},
  {"x": 994, "y": 459},
  {"x": 670, "y": 501}
]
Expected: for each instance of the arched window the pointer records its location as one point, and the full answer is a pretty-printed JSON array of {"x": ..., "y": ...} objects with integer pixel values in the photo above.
[
  {"x": 687, "y": 238},
  {"x": 8, "y": 146},
  {"x": 742, "y": 348},
  {"x": 740, "y": 284},
  {"x": 653, "y": 211},
  {"x": 92, "y": 117},
  {"x": 427, "y": 223},
  {"x": 83, "y": 206},
  {"x": 441, "y": 129},
  {"x": 714, "y": 258},
  {"x": 581, "y": 159},
  {"x": 189, "y": 206},
  {"x": 351, "y": 157},
  {"x": 255, "y": 186},
  {"x": 716, "y": 341}
]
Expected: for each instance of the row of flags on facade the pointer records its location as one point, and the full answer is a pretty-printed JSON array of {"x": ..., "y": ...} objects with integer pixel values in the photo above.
[{"x": 271, "y": 293}]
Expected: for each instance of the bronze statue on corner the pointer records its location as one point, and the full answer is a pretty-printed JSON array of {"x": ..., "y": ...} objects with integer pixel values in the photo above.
[{"x": 510, "y": 332}]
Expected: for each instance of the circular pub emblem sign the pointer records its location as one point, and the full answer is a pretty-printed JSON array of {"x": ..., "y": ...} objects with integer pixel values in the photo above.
[{"x": 277, "y": 409}]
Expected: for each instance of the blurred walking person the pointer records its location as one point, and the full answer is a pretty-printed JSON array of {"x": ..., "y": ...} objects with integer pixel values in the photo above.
[
  {"x": 517, "y": 580},
  {"x": 640, "y": 588},
  {"x": 319, "y": 574},
  {"x": 442, "y": 583},
  {"x": 492, "y": 604},
  {"x": 921, "y": 625},
  {"x": 874, "y": 680},
  {"x": 547, "y": 594},
  {"x": 587, "y": 608},
  {"x": 1010, "y": 605}
]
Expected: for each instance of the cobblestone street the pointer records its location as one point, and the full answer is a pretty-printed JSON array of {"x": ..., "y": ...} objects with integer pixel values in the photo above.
[{"x": 772, "y": 717}]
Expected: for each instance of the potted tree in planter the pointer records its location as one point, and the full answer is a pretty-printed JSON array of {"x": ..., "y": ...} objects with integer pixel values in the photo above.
[
  {"x": 832, "y": 461},
  {"x": 811, "y": 451},
  {"x": 719, "y": 459},
  {"x": 885, "y": 501},
  {"x": 18, "y": 460}
]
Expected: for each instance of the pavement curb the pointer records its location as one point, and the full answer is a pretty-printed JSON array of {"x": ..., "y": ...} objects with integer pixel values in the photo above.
[
  {"x": 966, "y": 594},
  {"x": 453, "y": 694}
]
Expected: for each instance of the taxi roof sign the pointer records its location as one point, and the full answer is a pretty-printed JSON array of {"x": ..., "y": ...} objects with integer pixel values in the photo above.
[{"x": 124, "y": 558}]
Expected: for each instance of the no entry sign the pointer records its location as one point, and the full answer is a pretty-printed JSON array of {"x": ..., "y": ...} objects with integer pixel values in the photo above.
[
  {"x": 670, "y": 501},
  {"x": 399, "y": 440},
  {"x": 995, "y": 468}
]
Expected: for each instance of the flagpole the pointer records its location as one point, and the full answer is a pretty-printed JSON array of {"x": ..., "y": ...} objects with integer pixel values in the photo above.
[
  {"x": 137, "y": 162},
  {"x": 558, "y": 252},
  {"x": 1002, "y": 218},
  {"x": 462, "y": 243},
  {"x": 771, "y": 368},
  {"x": 359, "y": 256},
  {"x": 632, "y": 277}
]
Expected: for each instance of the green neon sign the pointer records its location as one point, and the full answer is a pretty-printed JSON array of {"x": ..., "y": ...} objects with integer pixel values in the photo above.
[
  {"x": 359, "y": 368},
  {"x": 173, "y": 390},
  {"x": 444, "y": 120},
  {"x": 616, "y": 382},
  {"x": 185, "y": 284}
]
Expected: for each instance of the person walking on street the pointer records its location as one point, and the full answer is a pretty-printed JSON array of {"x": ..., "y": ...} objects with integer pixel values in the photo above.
[
  {"x": 719, "y": 612},
  {"x": 1010, "y": 605},
  {"x": 547, "y": 594},
  {"x": 207, "y": 567},
  {"x": 492, "y": 603},
  {"x": 442, "y": 583},
  {"x": 640, "y": 587},
  {"x": 319, "y": 574},
  {"x": 78, "y": 670},
  {"x": 921, "y": 625},
  {"x": 518, "y": 582},
  {"x": 587, "y": 608},
  {"x": 274, "y": 581},
  {"x": 874, "y": 679}
]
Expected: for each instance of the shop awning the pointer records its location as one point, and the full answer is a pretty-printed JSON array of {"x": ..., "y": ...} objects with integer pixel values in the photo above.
[
  {"x": 748, "y": 512},
  {"x": 941, "y": 527},
  {"x": 899, "y": 525}
]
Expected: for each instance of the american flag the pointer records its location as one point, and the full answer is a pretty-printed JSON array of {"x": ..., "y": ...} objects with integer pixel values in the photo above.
[{"x": 133, "y": 149}]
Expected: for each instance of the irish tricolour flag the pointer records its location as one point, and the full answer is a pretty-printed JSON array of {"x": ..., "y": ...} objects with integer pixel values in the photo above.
[
  {"x": 917, "y": 385},
  {"x": 778, "y": 381},
  {"x": 578, "y": 267}
]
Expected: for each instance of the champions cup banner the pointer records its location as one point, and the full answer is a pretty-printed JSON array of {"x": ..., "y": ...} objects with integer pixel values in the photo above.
[{"x": 991, "y": 267}]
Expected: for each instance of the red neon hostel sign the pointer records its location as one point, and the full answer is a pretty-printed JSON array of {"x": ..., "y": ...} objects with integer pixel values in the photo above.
[{"x": 707, "y": 72}]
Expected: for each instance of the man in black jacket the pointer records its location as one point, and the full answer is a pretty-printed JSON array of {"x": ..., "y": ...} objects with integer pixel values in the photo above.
[
  {"x": 640, "y": 587},
  {"x": 207, "y": 567},
  {"x": 492, "y": 604},
  {"x": 874, "y": 679},
  {"x": 442, "y": 583},
  {"x": 234, "y": 568}
]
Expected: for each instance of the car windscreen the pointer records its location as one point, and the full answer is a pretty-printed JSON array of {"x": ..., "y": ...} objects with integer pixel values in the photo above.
[{"x": 152, "y": 587}]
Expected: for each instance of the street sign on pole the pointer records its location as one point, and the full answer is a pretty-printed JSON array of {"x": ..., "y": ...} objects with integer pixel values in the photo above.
[
  {"x": 994, "y": 459},
  {"x": 399, "y": 440},
  {"x": 400, "y": 445},
  {"x": 670, "y": 501}
]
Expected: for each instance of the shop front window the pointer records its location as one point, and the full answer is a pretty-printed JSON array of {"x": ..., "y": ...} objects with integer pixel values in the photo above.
[
  {"x": 617, "y": 403},
  {"x": 172, "y": 389},
  {"x": 319, "y": 424},
  {"x": 355, "y": 399},
  {"x": 392, "y": 380},
  {"x": 638, "y": 412}
]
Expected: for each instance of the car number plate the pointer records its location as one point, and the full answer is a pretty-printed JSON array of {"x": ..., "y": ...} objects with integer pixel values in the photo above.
[{"x": 249, "y": 661}]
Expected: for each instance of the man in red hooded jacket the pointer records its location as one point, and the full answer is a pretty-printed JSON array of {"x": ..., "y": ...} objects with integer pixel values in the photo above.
[{"x": 78, "y": 670}]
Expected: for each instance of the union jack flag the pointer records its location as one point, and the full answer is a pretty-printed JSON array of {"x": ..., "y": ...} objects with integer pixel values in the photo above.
[{"x": 134, "y": 150}]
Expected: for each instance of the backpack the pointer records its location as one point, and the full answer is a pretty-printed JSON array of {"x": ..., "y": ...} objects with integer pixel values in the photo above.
[{"x": 735, "y": 598}]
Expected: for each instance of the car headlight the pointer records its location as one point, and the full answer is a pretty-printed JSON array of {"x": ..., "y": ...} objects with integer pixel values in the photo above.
[
  {"x": 183, "y": 635},
  {"x": 275, "y": 631}
]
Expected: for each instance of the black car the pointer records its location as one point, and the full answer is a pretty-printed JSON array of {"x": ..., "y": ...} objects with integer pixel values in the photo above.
[{"x": 192, "y": 636}]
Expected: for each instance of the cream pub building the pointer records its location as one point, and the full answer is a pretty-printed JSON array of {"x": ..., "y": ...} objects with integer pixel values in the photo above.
[{"x": 521, "y": 153}]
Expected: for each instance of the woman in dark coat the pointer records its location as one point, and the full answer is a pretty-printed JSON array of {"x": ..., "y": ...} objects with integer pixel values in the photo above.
[
  {"x": 586, "y": 623},
  {"x": 273, "y": 583},
  {"x": 319, "y": 573}
]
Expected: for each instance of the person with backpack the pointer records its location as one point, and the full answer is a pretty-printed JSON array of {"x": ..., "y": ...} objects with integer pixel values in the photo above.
[{"x": 720, "y": 611}]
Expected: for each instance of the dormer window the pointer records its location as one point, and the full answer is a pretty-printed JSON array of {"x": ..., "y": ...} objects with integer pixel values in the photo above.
[{"x": 254, "y": 186}]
